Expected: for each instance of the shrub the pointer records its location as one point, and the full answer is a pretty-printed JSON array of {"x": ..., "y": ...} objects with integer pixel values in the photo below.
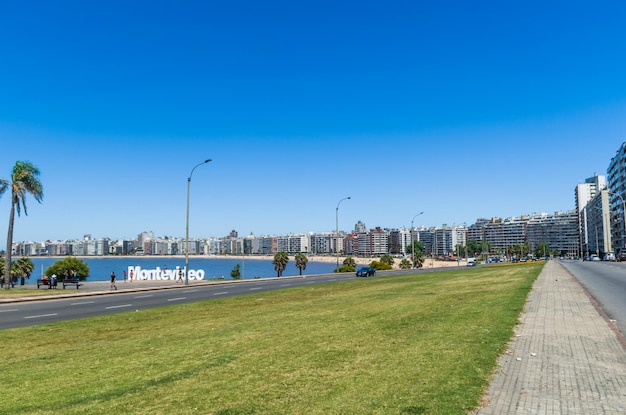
[{"x": 380, "y": 266}]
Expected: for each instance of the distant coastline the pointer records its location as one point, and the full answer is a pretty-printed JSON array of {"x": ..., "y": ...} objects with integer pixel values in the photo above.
[{"x": 428, "y": 263}]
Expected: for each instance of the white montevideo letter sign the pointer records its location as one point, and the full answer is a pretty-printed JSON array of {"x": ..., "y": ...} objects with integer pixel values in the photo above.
[{"x": 163, "y": 274}]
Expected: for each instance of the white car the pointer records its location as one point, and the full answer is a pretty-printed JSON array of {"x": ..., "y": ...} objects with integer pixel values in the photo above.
[{"x": 594, "y": 258}]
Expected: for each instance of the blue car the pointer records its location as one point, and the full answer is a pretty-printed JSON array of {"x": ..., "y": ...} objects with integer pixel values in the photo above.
[{"x": 366, "y": 272}]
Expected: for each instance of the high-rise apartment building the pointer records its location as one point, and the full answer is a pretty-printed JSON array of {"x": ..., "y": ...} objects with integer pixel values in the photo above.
[
  {"x": 616, "y": 174},
  {"x": 559, "y": 231},
  {"x": 584, "y": 194}
]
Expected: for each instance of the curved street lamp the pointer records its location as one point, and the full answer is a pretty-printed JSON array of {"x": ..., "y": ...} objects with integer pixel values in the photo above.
[
  {"x": 413, "y": 242},
  {"x": 187, "y": 223},
  {"x": 337, "y": 230}
]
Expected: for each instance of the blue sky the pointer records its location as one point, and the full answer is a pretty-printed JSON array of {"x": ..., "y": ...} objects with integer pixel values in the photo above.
[{"x": 456, "y": 109}]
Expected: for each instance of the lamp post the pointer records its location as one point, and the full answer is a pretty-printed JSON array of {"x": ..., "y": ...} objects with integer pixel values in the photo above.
[
  {"x": 412, "y": 241},
  {"x": 187, "y": 223},
  {"x": 337, "y": 230}
]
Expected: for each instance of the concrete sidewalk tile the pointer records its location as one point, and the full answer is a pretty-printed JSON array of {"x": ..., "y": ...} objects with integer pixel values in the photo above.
[{"x": 564, "y": 358}]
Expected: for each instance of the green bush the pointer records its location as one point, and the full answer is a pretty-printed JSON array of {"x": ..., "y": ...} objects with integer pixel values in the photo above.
[
  {"x": 380, "y": 266},
  {"x": 62, "y": 268},
  {"x": 345, "y": 268}
]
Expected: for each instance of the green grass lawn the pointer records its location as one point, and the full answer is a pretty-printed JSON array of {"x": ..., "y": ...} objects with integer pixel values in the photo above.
[{"x": 418, "y": 344}]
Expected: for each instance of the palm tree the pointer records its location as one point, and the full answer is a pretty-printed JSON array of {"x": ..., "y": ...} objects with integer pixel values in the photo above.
[
  {"x": 301, "y": 261},
  {"x": 418, "y": 260},
  {"x": 280, "y": 262},
  {"x": 24, "y": 179},
  {"x": 25, "y": 267},
  {"x": 405, "y": 264}
]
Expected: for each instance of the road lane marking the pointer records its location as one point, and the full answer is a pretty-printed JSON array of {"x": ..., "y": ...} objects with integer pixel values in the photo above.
[
  {"x": 10, "y": 309},
  {"x": 177, "y": 299},
  {"x": 118, "y": 306},
  {"x": 84, "y": 302},
  {"x": 143, "y": 296},
  {"x": 221, "y": 293},
  {"x": 190, "y": 291},
  {"x": 256, "y": 288},
  {"x": 42, "y": 315},
  {"x": 285, "y": 285}
]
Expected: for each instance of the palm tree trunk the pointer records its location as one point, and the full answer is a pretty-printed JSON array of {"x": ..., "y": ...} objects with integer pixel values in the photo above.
[{"x": 7, "y": 262}]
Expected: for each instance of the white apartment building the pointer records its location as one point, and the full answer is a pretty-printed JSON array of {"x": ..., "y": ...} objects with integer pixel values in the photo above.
[
  {"x": 597, "y": 214},
  {"x": 584, "y": 193},
  {"x": 293, "y": 244},
  {"x": 372, "y": 243},
  {"x": 446, "y": 239}
]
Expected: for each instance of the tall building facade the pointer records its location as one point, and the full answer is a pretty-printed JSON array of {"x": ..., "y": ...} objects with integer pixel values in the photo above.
[
  {"x": 616, "y": 174},
  {"x": 598, "y": 223},
  {"x": 500, "y": 233},
  {"x": 559, "y": 231},
  {"x": 584, "y": 194}
]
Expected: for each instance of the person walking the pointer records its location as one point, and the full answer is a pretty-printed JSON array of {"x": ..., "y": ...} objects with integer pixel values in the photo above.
[
  {"x": 180, "y": 276},
  {"x": 113, "y": 286}
]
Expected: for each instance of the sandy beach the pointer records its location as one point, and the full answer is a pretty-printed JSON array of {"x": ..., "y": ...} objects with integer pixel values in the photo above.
[{"x": 428, "y": 263}]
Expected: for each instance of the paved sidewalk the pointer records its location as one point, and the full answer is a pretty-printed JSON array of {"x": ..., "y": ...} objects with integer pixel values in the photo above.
[{"x": 565, "y": 357}]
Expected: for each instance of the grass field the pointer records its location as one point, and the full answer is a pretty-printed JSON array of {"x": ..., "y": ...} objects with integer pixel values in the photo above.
[{"x": 418, "y": 344}]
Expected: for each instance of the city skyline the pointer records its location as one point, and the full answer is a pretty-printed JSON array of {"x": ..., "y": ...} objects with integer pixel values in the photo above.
[
  {"x": 455, "y": 110},
  {"x": 558, "y": 232},
  {"x": 354, "y": 228}
]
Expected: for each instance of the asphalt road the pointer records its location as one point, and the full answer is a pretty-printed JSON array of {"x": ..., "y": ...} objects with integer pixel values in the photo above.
[
  {"x": 20, "y": 314},
  {"x": 606, "y": 282}
]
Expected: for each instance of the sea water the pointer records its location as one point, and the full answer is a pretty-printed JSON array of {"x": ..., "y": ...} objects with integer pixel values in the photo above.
[{"x": 100, "y": 268}]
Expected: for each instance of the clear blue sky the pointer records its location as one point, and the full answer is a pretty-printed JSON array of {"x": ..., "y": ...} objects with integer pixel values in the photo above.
[{"x": 458, "y": 109}]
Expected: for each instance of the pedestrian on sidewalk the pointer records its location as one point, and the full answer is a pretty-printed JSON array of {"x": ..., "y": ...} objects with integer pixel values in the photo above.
[{"x": 113, "y": 286}]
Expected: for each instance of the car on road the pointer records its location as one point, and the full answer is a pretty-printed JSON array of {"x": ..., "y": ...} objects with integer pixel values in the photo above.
[
  {"x": 366, "y": 272},
  {"x": 609, "y": 257}
]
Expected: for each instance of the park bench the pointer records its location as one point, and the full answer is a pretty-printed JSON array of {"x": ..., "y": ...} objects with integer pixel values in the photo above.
[
  {"x": 41, "y": 282},
  {"x": 50, "y": 282},
  {"x": 75, "y": 282}
]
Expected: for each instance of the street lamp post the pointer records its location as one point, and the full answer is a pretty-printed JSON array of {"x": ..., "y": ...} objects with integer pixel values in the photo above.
[
  {"x": 337, "y": 231},
  {"x": 412, "y": 241},
  {"x": 187, "y": 223}
]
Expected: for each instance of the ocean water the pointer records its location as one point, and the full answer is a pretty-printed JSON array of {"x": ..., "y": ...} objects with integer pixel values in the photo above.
[{"x": 100, "y": 268}]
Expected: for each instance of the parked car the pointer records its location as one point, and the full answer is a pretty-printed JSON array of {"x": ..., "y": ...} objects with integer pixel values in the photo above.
[
  {"x": 366, "y": 272},
  {"x": 594, "y": 258}
]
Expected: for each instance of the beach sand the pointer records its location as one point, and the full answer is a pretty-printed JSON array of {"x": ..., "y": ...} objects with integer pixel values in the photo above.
[{"x": 428, "y": 263}]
